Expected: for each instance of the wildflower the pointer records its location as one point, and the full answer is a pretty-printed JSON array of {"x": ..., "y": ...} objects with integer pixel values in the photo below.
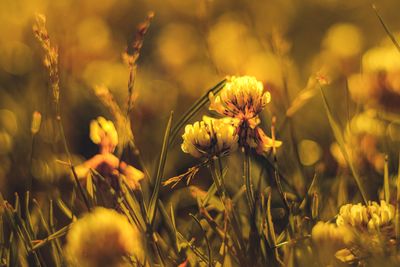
[
  {"x": 102, "y": 238},
  {"x": 330, "y": 238},
  {"x": 256, "y": 138},
  {"x": 103, "y": 133},
  {"x": 336, "y": 236},
  {"x": 371, "y": 217},
  {"x": 210, "y": 137},
  {"x": 242, "y": 97}
]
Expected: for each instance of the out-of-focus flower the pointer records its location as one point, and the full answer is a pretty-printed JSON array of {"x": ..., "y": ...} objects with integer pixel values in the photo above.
[
  {"x": 344, "y": 40},
  {"x": 371, "y": 217},
  {"x": 362, "y": 142},
  {"x": 242, "y": 97},
  {"x": 329, "y": 238},
  {"x": 379, "y": 84},
  {"x": 104, "y": 134},
  {"x": 328, "y": 233},
  {"x": 36, "y": 122},
  {"x": 102, "y": 238},
  {"x": 210, "y": 137}
]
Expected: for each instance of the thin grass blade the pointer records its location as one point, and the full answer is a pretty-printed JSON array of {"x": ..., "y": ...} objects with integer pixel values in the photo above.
[
  {"x": 340, "y": 140},
  {"x": 160, "y": 171}
]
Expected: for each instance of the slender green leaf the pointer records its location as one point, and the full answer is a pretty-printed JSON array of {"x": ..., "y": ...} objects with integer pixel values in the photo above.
[
  {"x": 28, "y": 219},
  {"x": 310, "y": 191},
  {"x": 397, "y": 216},
  {"x": 194, "y": 109},
  {"x": 210, "y": 193},
  {"x": 387, "y": 30},
  {"x": 386, "y": 185},
  {"x": 210, "y": 261},
  {"x": 63, "y": 207},
  {"x": 160, "y": 171},
  {"x": 54, "y": 251},
  {"x": 340, "y": 140},
  {"x": 247, "y": 180},
  {"x": 58, "y": 234}
]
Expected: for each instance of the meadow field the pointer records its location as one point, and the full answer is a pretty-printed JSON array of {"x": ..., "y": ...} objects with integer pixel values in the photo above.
[{"x": 199, "y": 133}]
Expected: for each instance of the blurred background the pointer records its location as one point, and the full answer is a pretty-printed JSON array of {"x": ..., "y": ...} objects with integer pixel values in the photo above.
[{"x": 190, "y": 46}]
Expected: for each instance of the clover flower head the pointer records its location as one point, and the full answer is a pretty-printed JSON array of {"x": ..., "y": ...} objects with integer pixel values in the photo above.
[
  {"x": 242, "y": 97},
  {"x": 101, "y": 128},
  {"x": 210, "y": 137},
  {"x": 371, "y": 217},
  {"x": 102, "y": 238}
]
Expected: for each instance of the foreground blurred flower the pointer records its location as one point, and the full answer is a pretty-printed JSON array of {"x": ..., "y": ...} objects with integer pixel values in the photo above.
[
  {"x": 210, "y": 137},
  {"x": 104, "y": 134},
  {"x": 243, "y": 98},
  {"x": 329, "y": 233},
  {"x": 102, "y": 238}
]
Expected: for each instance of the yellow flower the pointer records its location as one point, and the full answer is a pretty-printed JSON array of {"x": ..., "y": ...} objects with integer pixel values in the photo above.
[
  {"x": 258, "y": 140},
  {"x": 101, "y": 129},
  {"x": 371, "y": 217},
  {"x": 326, "y": 233},
  {"x": 210, "y": 137},
  {"x": 242, "y": 97},
  {"x": 102, "y": 238}
]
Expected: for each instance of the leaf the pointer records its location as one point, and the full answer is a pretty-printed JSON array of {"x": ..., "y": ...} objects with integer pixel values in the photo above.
[
  {"x": 28, "y": 220},
  {"x": 210, "y": 193},
  {"x": 58, "y": 234},
  {"x": 54, "y": 251},
  {"x": 194, "y": 109},
  {"x": 386, "y": 186},
  {"x": 198, "y": 253},
  {"x": 247, "y": 180},
  {"x": 160, "y": 171},
  {"x": 178, "y": 247},
  {"x": 63, "y": 207},
  {"x": 387, "y": 30},
  {"x": 133, "y": 204},
  {"x": 210, "y": 261},
  {"x": 397, "y": 216},
  {"x": 340, "y": 140},
  {"x": 309, "y": 192}
]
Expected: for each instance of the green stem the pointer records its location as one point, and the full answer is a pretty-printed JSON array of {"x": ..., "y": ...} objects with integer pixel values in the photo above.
[{"x": 247, "y": 180}]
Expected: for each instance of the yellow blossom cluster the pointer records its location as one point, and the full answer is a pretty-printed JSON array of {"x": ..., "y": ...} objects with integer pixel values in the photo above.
[
  {"x": 371, "y": 217},
  {"x": 359, "y": 230},
  {"x": 210, "y": 137},
  {"x": 240, "y": 101},
  {"x": 324, "y": 232}
]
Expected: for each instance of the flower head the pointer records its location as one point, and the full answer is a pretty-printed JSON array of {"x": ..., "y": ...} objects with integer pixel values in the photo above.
[
  {"x": 242, "y": 97},
  {"x": 102, "y": 238},
  {"x": 371, "y": 217},
  {"x": 210, "y": 137},
  {"x": 104, "y": 134}
]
